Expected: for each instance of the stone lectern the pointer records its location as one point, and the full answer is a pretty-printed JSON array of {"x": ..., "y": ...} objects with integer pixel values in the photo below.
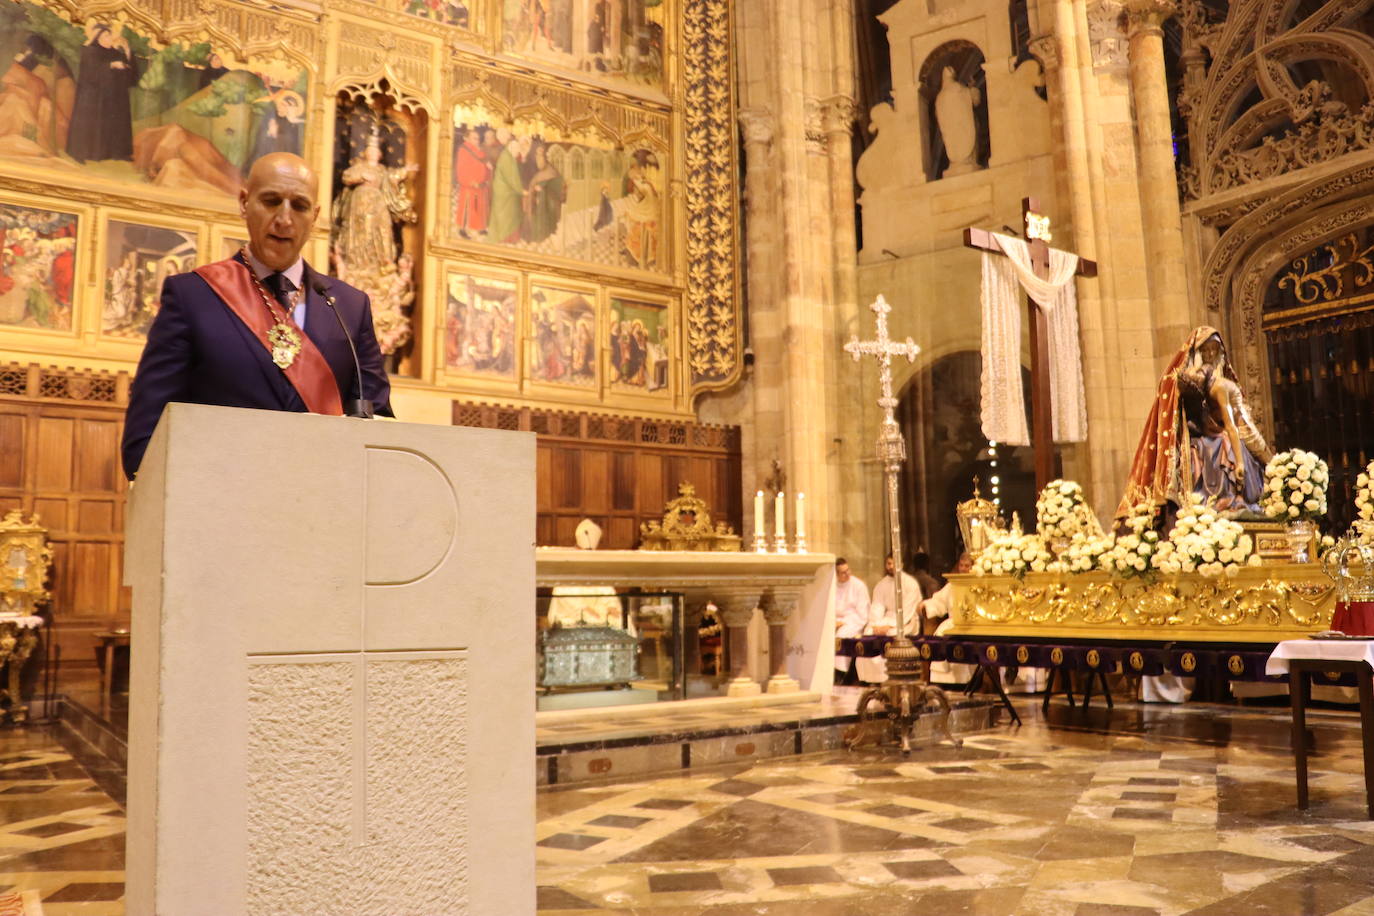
[{"x": 332, "y": 697}]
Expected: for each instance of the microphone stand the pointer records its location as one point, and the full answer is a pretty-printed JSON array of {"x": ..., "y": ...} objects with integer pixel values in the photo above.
[{"x": 362, "y": 407}]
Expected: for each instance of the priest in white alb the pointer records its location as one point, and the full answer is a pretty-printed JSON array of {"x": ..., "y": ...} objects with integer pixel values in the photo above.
[
  {"x": 882, "y": 617},
  {"x": 851, "y": 608}
]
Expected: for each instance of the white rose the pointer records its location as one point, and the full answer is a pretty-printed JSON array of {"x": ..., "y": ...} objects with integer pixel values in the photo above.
[
  {"x": 1312, "y": 505},
  {"x": 1296, "y": 499},
  {"x": 1306, "y": 487},
  {"x": 1293, "y": 511},
  {"x": 1254, "y": 560}
]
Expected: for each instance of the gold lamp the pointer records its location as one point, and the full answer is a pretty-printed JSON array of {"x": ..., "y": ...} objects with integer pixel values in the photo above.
[{"x": 979, "y": 522}]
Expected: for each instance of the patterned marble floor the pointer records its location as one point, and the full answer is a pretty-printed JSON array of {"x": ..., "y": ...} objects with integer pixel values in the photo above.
[
  {"x": 61, "y": 836},
  {"x": 1143, "y": 810}
]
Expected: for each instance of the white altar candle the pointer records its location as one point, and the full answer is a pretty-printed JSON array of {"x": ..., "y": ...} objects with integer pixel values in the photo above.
[
  {"x": 801, "y": 516},
  {"x": 758, "y": 514},
  {"x": 780, "y": 518}
]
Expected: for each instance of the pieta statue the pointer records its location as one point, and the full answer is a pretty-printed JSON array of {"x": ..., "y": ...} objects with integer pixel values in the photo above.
[
  {"x": 1199, "y": 439},
  {"x": 374, "y": 199}
]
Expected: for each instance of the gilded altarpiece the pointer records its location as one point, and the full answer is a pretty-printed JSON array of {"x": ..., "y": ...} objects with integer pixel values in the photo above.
[{"x": 573, "y": 164}]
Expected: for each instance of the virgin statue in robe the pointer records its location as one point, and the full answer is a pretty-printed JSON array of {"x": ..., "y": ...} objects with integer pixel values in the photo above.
[
  {"x": 373, "y": 200},
  {"x": 1199, "y": 439}
]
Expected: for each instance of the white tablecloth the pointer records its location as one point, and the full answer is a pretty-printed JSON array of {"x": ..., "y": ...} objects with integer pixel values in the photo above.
[{"x": 1350, "y": 650}]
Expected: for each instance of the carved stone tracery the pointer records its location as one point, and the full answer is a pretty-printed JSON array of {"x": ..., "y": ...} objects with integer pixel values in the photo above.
[{"x": 1251, "y": 116}]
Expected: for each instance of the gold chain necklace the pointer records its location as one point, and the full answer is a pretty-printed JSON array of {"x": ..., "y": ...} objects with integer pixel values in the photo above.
[{"x": 283, "y": 337}]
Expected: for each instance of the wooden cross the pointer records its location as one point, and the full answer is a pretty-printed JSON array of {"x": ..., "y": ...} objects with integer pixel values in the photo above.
[{"x": 1037, "y": 227}]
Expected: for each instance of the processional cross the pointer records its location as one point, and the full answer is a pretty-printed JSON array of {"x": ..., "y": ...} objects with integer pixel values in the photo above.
[
  {"x": 902, "y": 694},
  {"x": 1042, "y": 411}
]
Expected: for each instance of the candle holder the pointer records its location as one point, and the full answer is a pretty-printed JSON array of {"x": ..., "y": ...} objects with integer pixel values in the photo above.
[
  {"x": 760, "y": 544},
  {"x": 780, "y": 542},
  {"x": 800, "y": 545}
]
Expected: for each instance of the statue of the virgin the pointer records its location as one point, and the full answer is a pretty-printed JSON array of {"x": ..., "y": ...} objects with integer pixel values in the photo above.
[{"x": 1200, "y": 439}]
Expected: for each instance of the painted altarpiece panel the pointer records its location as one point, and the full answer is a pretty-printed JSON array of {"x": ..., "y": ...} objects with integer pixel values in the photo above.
[
  {"x": 480, "y": 325},
  {"x": 39, "y": 267},
  {"x": 107, "y": 101},
  {"x": 138, "y": 256},
  {"x": 537, "y": 187},
  {"x": 621, "y": 40},
  {"x": 639, "y": 345},
  {"x": 562, "y": 335}
]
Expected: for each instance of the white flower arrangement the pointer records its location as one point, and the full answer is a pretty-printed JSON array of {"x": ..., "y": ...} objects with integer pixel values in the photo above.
[
  {"x": 1085, "y": 553},
  {"x": 1205, "y": 542},
  {"x": 1132, "y": 553},
  {"x": 1014, "y": 554},
  {"x": 1364, "y": 503},
  {"x": 1062, "y": 511},
  {"x": 1295, "y": 484}
]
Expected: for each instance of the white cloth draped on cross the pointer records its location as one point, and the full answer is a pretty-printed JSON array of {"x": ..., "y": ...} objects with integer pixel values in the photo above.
[{"x": 1004, "y": 401}]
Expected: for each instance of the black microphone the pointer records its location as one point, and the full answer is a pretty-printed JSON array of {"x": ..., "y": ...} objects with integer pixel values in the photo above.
[{"x": 361, "y": 407}]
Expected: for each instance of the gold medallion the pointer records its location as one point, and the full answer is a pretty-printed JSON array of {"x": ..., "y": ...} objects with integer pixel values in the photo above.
[{"x": 286, "y": 344}]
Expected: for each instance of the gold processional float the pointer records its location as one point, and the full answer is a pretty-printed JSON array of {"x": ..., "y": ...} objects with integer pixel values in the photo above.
[
  {"x": 1215, "y": 539},
  {"x": 1284, "y": 593}
]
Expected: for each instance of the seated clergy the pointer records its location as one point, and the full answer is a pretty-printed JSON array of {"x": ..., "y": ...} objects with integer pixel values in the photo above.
[
  {"x": 938, "y": 606},
  {"x": 882, "y": 617},
  {"x": 851, "y": 608}
]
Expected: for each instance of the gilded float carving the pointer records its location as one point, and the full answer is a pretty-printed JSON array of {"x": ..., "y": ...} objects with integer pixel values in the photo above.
[{"x": 1260, "y": 604}]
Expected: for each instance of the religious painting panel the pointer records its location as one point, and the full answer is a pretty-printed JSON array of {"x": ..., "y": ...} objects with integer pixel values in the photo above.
[
  {"x": 227, "y": 242},
  {"x": 460, "y": 13},
  {"x": 38, "y": 267},
  {"x": 640, "y": 341},
  {"x": 536, "y": 186},
  {"x": 107, "y": 101},
  {"x": 622, "y": 40},
  {"x": 138, "y": 257},
  {"x": 562, "y": 335},
  {"x": 479, "y": 325}
]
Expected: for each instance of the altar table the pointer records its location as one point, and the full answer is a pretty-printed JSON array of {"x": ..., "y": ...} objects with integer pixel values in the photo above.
[{"x": 1299, "y": 658}]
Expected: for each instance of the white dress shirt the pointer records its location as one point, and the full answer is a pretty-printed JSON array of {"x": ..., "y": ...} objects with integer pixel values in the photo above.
[{"x": 294, "y": 273}]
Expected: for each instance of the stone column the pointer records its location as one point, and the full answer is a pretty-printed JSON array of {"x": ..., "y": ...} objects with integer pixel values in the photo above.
[
  {"x": 1158, "y": 179},
  {"x": 764, "y": 437},
  {"x": 737, "y": 608},
  {"x": 1097, "y": 320},
  {"x": 778, "y": 604},
  {"x": 848, "y": 478}
]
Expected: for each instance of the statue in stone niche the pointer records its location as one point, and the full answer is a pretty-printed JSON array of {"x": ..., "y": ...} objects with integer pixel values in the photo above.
[
  {"x": 954, "y": 113},
  {"x": 1199, "y": 439},
  {"x": 373, "y": 200}
]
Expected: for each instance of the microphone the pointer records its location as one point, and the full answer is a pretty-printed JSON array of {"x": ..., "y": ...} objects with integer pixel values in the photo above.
[{"x": 361, "y": 407}]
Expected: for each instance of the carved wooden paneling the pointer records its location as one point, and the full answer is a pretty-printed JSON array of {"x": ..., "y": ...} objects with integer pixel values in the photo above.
[
  {"x": 59, "y": 458},
  {"x": 617, "y": 471}
]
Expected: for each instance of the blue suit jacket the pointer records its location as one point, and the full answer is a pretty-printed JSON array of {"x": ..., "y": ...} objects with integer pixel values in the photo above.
[{"x": 199, "y": 352}]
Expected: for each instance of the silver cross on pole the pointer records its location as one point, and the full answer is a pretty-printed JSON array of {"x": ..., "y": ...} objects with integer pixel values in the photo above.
[
  {"x": 903, "y": 695},
  {"x": 891, "y": 446}
]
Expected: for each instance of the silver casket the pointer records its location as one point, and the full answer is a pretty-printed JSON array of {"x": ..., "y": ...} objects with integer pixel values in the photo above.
[{"x": 587, "y": 657}]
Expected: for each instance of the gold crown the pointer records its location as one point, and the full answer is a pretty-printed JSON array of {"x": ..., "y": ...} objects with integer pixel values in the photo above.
[{"x": 1350, "y": 564}]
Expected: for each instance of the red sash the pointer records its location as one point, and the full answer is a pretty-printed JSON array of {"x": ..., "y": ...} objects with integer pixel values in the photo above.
[{"x": 309, "y": 374}]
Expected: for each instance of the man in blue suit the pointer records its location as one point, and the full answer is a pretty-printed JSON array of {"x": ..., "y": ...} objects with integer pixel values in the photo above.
[{"x": 255, "y": 330}]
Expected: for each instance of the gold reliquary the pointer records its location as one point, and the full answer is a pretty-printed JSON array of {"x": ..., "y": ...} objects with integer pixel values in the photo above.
[
  {"x": 687, "y": 525},
  {"x": 24, "y": 561}
]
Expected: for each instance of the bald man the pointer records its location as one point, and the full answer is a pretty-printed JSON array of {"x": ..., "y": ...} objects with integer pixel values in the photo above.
[{"x": 255, "y": 330}]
